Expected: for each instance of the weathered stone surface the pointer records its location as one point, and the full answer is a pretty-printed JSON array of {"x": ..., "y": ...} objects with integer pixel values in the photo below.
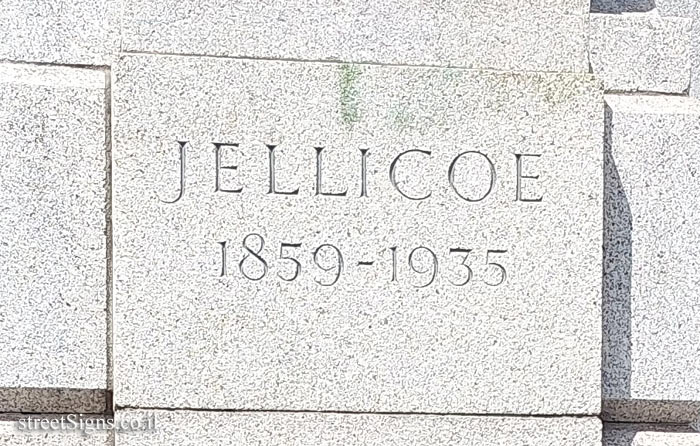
[
  {"x": 651, "y": 312},
  {"x": 71, "y": 32},
  {"x": 531, "y": 35},
  {"x": 53, "y": 254},
  {"x": 523, "y": 335},
  {"x": 641, "y": 52},
  {"x": 649, "y": 435},
  {"x": 301, "y": 429},
  {"x": 14, "y": 432}
]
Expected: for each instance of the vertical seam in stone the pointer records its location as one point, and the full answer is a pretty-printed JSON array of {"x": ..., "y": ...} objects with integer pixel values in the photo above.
[
  {"x": 108, "y": 235},
  {"x": 121, "y": 26},
  {"x": 588, "y": 42}
]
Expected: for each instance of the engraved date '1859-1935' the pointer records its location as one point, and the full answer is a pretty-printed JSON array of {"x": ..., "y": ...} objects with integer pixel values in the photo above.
[{"x": 329, "y": 263}]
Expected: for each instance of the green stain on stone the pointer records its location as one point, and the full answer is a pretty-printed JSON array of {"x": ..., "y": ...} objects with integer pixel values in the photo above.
[
  {"x": 349, "y": 94},
  {"x": 401, "y": 117}
]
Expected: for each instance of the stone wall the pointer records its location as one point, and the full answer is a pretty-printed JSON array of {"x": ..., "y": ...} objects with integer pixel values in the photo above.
[{"x": 348, "y": 222}]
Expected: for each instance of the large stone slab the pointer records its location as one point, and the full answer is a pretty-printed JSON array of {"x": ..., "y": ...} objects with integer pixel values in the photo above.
[
  {"x": 652, "y": 269},
  {"x": 537, "y": 35},
  {"x": 297, "y": 429},
  {"x": 641, "y": 52},
  {"x": 341, "y": 308},
  {"x": 649, "y": 435},
  {"x": 70, "y": 32},
  {"x": 53, "y": 254}
]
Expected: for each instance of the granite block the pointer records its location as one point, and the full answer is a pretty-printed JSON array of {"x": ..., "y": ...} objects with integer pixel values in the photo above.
[
  {"x": 691, "y": 10},
  {"x": 53, "y": 250},
  {"x": 426, "y": 240},
  {"x": 651, "y": 314},
  {"x": 641, "y": 52}
]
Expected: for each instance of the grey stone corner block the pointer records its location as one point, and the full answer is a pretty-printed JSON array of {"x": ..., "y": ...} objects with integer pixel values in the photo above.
[
  {"x": 356, "y": 238},
  {"x": 53, "y": 250},
  {"x": 84, "y": 32},
  {"x": 651, "y": 313},
  {"x": 25, "y": 430},
  {"x": 690, "y": 9},
  {"x": 673, "y": 8},
  {"x": 650, "y": 435},
  {"x": 309, "y": 429},
  {"x": 536, "y": 35},
  {"x": 641, "y": 52}
]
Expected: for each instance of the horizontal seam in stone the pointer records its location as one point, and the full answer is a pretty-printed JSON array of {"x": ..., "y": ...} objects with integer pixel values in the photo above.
[
  {"x": 646, "y": 93},
  {"x": 342, "y": 412},
  {"x": 350, "y": 62},
  {"x": 55, "y": 64}
]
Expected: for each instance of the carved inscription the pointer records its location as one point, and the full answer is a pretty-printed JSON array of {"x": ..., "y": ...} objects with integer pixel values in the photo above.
[
  {"x": 329, "y": 263},
  {"x": 326, "y": 263},
  {"x": 524, "y": 166}
]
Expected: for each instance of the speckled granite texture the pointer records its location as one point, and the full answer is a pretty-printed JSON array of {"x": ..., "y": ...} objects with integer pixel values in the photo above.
[{"x": 82, "y": 32}]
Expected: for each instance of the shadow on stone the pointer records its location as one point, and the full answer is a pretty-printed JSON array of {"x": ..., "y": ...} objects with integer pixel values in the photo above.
[
  {"x": 617, "y": 280},
  {"x": 619, "y": 404},
  {"x": 683, "y": 413},
  {"x": 54, "y": 400},
  {"x": 620, "y": 6}
]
